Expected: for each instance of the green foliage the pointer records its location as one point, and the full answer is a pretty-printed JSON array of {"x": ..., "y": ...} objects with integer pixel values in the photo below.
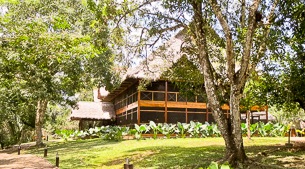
[
  {"x": 255, "y": 92},
  {"x": 48, "y": 52},
  {"x": 192, "y": 130},
  {"x": 284, "y": 70},
  {"x": 64, "y": 134},
  {"x": 167, "y": 129},
  {"x": 195, "y": 129},
  {"x": 182, "y": 129},
  {"x": 186, "y": 76},
  {"x": 209, "y": 130},
  {"x": 86, "y": 95},
  {"x": 114, "y": 132},
  {"x": 57, "y": 118},
  {"x": 287, "y": 113},
  {"x": 215, "y": 165},
  {"x": 155, "y": 128},
  {"x": 139, "y": 130}
]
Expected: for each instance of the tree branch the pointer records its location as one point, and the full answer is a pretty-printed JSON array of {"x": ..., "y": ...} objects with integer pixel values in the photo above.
[
  {"x": 248, "y": 43},
  {"x": 168, "y": 18},
  {"x": 263, "y": 48},
  {"x": 124, "y": 15},
  {"x": 229, "y": 40}
]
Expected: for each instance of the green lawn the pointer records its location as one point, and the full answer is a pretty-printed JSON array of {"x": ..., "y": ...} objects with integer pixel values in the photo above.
[{"x": 160, "y": 153}]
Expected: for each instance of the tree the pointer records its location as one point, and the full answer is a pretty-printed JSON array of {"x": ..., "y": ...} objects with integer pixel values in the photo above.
[
  {"x": 48, "y": 50},
  {"x": 285, "y": 70},
  {"x": 226, "y": 40}
]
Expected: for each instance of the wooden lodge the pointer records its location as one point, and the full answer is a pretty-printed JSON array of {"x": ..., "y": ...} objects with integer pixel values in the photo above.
[
  {"x": 161, "y": 100},
  {"x": 161, "y": 103}
]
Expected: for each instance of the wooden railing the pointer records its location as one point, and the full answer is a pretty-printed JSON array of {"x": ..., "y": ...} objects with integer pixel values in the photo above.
[
  {"x": 126, "y": 100},
  {"x": 171, "y": 97}
]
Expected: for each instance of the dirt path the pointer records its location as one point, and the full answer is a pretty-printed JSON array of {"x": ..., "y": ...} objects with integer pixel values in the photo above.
[
  {"x": 9, "y": 159},
  {"x": 25, "y": 161}
]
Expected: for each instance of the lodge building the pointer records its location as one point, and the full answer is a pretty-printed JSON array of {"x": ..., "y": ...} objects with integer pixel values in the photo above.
[{"x": 161, "y": 101}]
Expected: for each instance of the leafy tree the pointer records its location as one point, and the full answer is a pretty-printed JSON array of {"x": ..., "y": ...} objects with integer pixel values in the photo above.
[
  {"x": 284, "y": 69},
  {"x": 48, "y": 49},
  {"x": 57, "y": 118},
  {"x": 225, "y": 39}
]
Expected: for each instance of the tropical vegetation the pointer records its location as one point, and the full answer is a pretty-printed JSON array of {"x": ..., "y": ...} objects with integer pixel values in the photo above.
[{"x": 167, "y": 131}]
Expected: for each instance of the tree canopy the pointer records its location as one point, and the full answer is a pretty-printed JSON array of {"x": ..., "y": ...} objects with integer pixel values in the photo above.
[{"x": 49, "y": 51}]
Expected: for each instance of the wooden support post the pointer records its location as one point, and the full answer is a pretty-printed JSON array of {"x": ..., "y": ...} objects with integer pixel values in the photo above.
[
  {"x": 139, "y": 112},
  {"x": 126, "y": 104},
  {"x": 45, "y": 154},
  {"x": 266, "y": 113},
  {"x": 166, "y": 99},
  {"x": 207, "y": 113},
  {"x": 57, "y": 160},
  {"x": 19, "y": 149},
  {"x": 127, "y": 165},
  {"x": 80, "y": 125},
  {"x": 186, "y": 119}
]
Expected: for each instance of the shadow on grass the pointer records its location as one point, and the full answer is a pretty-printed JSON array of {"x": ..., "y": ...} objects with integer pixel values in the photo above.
[
  {"x": 172, "y": 157},
  {"x": 92, "y": 154},
  {"x": 74, "y": 154},
  {"x": 162, "y": 157},
  {"x": 278, "y": 156},
  {"x": 75, "y": 145}
]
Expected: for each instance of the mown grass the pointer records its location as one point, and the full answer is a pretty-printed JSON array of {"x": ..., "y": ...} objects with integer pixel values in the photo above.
[{"x": 160, "y": 153}]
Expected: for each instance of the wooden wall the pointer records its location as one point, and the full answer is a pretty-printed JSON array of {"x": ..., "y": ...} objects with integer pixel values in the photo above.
[{"x": 161, "y": 103}]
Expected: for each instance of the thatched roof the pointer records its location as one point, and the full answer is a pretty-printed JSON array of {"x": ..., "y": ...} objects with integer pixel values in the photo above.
[
  {"x": 153, "y": 67},
  {"x": 93, "y": 111},
  {"x": 159, "y": 61}
]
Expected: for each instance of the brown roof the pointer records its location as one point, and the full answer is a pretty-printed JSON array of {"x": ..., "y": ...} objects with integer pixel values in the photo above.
[
  {"x": 93, "y": 111},
  {"x": 159, "y": 61},
  {"x": 153, "y": 67}
]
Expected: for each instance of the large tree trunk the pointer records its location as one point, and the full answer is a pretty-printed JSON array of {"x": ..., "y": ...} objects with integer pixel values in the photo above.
[
  {"x": 229, "y": 128},
  {"x": 236, "y": 124},
  {"x": 40, "y": 112}
]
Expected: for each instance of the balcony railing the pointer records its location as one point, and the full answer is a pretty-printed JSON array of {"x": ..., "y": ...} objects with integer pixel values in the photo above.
[{"x": 171, "y": 97}]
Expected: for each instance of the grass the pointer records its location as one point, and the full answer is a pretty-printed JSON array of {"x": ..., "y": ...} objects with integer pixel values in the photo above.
[{"x": 160, "y": 153}]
